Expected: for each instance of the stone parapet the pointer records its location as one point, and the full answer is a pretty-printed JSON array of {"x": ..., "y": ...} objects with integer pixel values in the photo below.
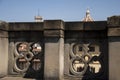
[
  {"x": 58, "y": 40},
  {"x": 113, "y": 21},
  {"x": 3, "y": 48},
  {"x": 54, "y": 49},
  {"x": 114, "y": 31},
  {"x": 25, "y": 26},
  {"x": 113, "y": 24},
  {"x": 53, "y": 24},
  {"x": 89, "y": 26},
  {"x": 53, "y": 28},
  {"x": 3, "y": 25}
]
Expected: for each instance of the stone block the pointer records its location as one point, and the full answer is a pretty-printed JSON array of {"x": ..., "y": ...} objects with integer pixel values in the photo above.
[
  {"x": 74, "y": 25},
  {"x": 114, "y": 31},
  {"x": 3, "y": 53},
  {"x": 25, "y": 26},
  {"x": 54, "y": 59},
  {"x": 54, "y": 33},
  {"x": 113, "y": 21},
  {"x": 96, "y": 25},
  {"x": 114, "y": 58},
  {"x": 3, "y": 25},
  {"x": 53, "y": 24}
]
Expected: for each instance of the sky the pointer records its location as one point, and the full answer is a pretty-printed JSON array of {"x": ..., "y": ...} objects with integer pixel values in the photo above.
[{"x": 67, "y": 10}]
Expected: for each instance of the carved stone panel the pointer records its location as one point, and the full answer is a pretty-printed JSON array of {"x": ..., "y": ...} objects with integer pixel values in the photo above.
[
  {"x": 86, "y": 61},
  {"x": 27, "y": 59}
]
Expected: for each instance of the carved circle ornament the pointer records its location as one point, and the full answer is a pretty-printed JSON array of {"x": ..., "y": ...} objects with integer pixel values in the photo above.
[
  {"x": 76, "y": 50},
  {"x": 82, "y": 58},
  {"x": 36, "y": 48},
  {"x": 36, "y": 64},
  {"x": 95, "y": 66},
  {"x": 21, "y": 65},
  {"x": 77, "y": 66},
  {"x": 24, "y": 56}
]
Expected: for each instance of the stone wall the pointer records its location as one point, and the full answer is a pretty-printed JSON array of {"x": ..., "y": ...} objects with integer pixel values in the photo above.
[
  {"x": 114, "y": 47},
  {"x": 78, "y": 35},
  {"x": 54, "y": 49},
  {"x": 3, "y": 49},
  {"x": 62, "y": 44}
]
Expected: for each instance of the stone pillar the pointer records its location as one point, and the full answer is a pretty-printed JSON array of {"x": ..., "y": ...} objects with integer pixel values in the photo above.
[
  {"x": 54, "y": 49},
  {"x": 114, "y": 47},
  {"x": 3, "y": 49}
]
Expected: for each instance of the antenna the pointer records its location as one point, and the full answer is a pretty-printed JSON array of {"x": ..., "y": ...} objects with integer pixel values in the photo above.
[
  {"x": 38, "y": 18},
  {"x": 38, "y": 12}
]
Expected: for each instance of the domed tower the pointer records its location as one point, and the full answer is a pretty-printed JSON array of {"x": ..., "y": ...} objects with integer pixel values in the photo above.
[{"x": 87, "y": 18}]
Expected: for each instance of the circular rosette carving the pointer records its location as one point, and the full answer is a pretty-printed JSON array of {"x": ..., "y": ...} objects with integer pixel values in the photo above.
[
  {"x": 21, "y": 64},
  {"x": 87, "y": 58},
  {"x": 76, "y": 50},
  {"x": 28, "y": 56},
  {"x": 21, "y": 48},
  {"x": 36, "y": 48},
  {"x": 94, "y": 50},
  {"x": 77, "y": 66},
  {"x": 95, "y": 67},
  {"x": 25, "y": 54},
  {"x": 36, "y": 64}
]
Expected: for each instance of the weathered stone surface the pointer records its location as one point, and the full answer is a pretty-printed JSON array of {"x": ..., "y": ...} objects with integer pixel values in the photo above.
[
  {"x": 54, "y": 33},
  {"x": 113, "y": 21},
  {"x": 54, "y": 55},
  {"x": 114, "y": 31},
  {"x": 25, "y": 26},
  {"x": 16, "y": 78},
  {"x": 29, "y": 37},
  {"x": 96, "y": 25},
  {"x": 3, "y": 25},
  {"x": 114, "y": 58},
  {"x": 3, "y": 48},
  {"x": 54, "y": 49},
  {"x": 53, "y": 24},
  {"x": 3, "y": 34},
  {"x": 3, "y": 53},
  {"x": 74, "y": 25}
]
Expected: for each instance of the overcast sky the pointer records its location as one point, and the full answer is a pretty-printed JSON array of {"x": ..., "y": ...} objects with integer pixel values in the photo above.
[{"x": 67, "y": 10}]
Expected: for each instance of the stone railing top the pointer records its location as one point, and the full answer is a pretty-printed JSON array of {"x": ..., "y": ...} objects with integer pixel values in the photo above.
[
  {"x": 3, "y": 25},
  {"x": 113, "y": 21},
  {"x": 57, "y": 25}
]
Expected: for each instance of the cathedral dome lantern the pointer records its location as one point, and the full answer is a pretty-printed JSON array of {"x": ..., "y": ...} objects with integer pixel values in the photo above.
[{"x": 88, "y": 18}]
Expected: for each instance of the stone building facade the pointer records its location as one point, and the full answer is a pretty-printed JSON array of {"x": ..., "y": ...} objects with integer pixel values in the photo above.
[{"x": 58, "y": 50}]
